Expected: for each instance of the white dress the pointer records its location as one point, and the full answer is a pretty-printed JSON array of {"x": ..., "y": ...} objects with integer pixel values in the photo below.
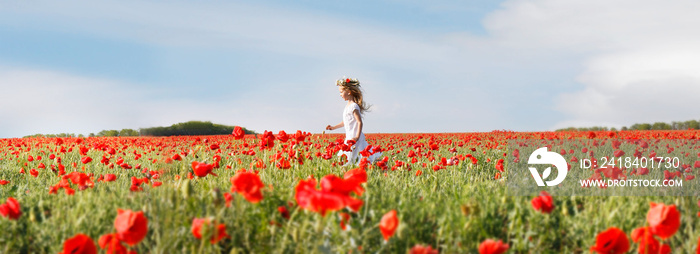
[{"x": 351, "y": 125}]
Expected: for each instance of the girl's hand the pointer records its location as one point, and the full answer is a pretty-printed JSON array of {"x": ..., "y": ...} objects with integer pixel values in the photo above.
[{"x": 329, "y": 127}]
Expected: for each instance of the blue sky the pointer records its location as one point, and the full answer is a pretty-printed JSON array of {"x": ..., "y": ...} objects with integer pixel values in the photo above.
[{"x": 425, "y": 66}]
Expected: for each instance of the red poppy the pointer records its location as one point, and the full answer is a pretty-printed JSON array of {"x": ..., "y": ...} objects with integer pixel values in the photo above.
[
  {"x": 610, "y": 172},
  {"x": 284, "y": 164},
  {"x": 420, "y": 249},
  {"x": 238, "y": 132},
  {"x": 228, "y": 198},
  {"x": 85, "y": 160},
  {"x": 196, "y": 228},
  {"x": 111, "y": 243},
  {"x": 434, "y": 146},
  {"x": 202, "y": 169},
  {"x": 332, "y": 183},
  {"x": 267, "y": 140},
  {"x": 79, "y": 244},
  {"x": 308, "y": 197},
  {"x": 136, "y": 183},
  {"x": 543, "y": 202},
  {"x": 110, "y": 177},
  {"x": 344, "y": 218},
  {"x": 131, "y": 226},
  {"x": 490, "y": 246},
  {"x": 663, "y": 220},
  {"x": 499, "y": 165},
  {"x": 83, "y": 150},
  {"x": 79, "y": 178},
  {"x": 3, "y": 182},
  {"x": 356, "y": 174},
  {"x": 611, "y": 241},
  {"x": 282, "y": 136},
  {"x": 642, "y": 171},
  {"x": 249, "y": 185},
  {"x": 647, "y": 242},
  {"x": 618, "y": 153},
  {"x": 283, "y": 211},
  {"x": 668, "y": 175},
  {"x": 198, "y": 223},
  {"x": 11, "y": 209},
  {"x": 389, "y": 224},
  {"x": 350, "y": 143}
]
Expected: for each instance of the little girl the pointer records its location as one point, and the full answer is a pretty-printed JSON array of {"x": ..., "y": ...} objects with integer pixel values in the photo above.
[{"x": 352, "y": 119}]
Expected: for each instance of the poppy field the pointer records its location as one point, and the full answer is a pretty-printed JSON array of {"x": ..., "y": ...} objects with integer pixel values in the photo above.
[{"x": 291, "y": 193}]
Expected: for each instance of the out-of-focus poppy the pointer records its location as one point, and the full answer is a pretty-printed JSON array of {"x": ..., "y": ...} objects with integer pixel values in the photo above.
[
  {"x": 647, "y": 242},
  {"x": 202, "y": 223},
  {"x": 238, "y": 132},
  {"x": 111, "y": 244},
  {"x": 11, "y": 209},
  {"x": 543, "y": 202},
  {"x": 79, "y": 244},
  {"x": 249, "y": 185},
  {"x": 663, "y": 220},
  {"x": 131, "y": 226},
  {"x": 389, "y": 224},
  {"x": 202, "y": 169},
  {"x": 490, "y": 246},
  {"x": 611, "y": 241},
  {"x": 420, "y": 249}
]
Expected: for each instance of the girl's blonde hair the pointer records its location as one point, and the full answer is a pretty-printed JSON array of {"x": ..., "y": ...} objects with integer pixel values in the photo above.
[{"x": 353, "y": 86}]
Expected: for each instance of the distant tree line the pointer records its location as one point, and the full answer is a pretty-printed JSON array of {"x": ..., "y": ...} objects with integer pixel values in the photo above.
[
  {"x": 691, "y": 124},
  {"x": 190, "y": 128},
  {"x": 116, "y": 133},
  {"x": 60, "y": 135},
  {"x": 179, "y": 129}
]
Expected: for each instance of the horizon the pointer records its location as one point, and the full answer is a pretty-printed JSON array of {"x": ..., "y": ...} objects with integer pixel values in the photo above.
[
  {"x": 426, "y": 67},
  {"x": 326, "y": 132}
]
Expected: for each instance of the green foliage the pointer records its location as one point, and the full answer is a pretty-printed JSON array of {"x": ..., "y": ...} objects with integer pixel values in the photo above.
[
  {"x": 108, "y": 133},
  {"x": 190, "y": 128},
  {"x": 595, "y": 128},
  {"x": 687, "y": 125},
  {"x": 60, "y": 135},
  {"x": 128, "y": 133},
  {"x": 180, "y": 129}
]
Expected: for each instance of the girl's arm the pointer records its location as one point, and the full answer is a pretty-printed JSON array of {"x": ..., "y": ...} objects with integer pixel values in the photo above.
[
  {"x": 356, "y": 114},
  {"x": 330, "y": 128}
]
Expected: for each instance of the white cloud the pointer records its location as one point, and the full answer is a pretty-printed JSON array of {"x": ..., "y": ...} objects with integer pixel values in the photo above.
[
  {"x": 229, "y": 25},
  {"x": 39, "y": 101},
  {"x": 639, "y": 58}
]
